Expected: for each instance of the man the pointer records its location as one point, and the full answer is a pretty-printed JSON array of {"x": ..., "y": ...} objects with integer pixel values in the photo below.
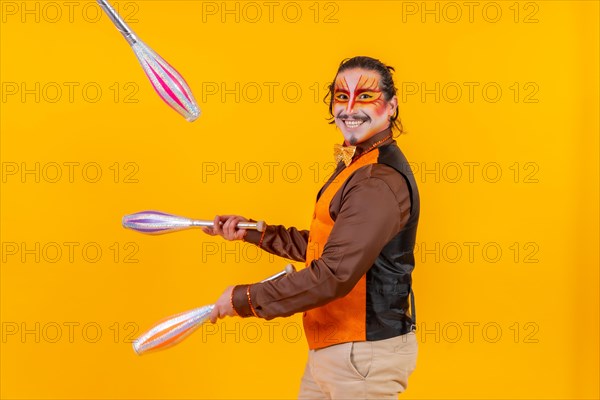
[{"x": 355, "y": 289}]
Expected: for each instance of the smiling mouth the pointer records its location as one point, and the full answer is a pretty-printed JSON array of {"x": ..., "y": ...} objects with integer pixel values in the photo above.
[{"x": 353, "y": 123}]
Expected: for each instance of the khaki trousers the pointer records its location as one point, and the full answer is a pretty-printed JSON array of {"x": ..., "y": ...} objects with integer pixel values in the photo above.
[{"x": 360, "y": 370}]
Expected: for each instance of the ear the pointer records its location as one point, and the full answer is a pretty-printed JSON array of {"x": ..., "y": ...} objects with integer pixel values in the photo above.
[{"x": 392, "y": 106}]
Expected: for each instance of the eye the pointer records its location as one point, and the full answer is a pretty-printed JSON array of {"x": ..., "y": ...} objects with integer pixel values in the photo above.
[
  {"x": 365, "y": 96},
  {"x": 341, "y": 96}
]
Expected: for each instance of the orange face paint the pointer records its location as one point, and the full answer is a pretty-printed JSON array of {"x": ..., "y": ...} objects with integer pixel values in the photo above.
[
  {"x": 366, "y": 91},
  {"x": 359, "y": 106}
]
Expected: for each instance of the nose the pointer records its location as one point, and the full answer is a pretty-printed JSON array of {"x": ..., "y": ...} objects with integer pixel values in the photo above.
[{"x": 350, "y": 106}]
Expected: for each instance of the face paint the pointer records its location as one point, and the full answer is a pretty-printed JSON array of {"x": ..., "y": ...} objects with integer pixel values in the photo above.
[{"x": 359, "y": 106}]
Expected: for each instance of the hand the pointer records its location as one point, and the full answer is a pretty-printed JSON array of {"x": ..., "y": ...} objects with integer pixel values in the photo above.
[
  {"x": 223, "y": 306},
  {"x": 228, "y": 230}
]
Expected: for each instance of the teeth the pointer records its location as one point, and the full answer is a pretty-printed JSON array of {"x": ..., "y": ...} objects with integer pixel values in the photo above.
[{"x": 353, "y": 123}]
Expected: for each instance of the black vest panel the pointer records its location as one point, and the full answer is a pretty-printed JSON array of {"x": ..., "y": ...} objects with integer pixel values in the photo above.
[{"x": 389, "y": 281}]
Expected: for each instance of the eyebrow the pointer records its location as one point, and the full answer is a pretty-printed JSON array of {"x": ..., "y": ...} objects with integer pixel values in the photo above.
[{"x": 359, "y": 91}]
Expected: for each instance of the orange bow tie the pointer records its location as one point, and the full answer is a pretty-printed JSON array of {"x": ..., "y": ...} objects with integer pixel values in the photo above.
[{"x": 343, "y": 153}]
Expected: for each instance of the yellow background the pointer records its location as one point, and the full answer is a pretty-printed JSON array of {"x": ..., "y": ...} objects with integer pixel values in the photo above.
[{"x": 533, "y": 313}]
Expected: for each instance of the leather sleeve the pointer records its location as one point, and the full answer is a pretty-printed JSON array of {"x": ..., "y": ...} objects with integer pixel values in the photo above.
[
  {"x": 369, "y": 210},
  {"x": 283, "y": 242}
]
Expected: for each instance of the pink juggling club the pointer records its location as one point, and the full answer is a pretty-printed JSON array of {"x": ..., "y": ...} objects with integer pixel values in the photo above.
[
  {"x": 156, "y": 223},
  {"x": 167, "y": 82},
  {"x": 174, "y": 329}
]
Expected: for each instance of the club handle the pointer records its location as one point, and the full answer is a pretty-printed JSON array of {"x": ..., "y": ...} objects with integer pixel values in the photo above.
[
  {"x": 118, "y": 21},
  {"x": 288, "y": 270},
  {"x": 258, "y": 225}
]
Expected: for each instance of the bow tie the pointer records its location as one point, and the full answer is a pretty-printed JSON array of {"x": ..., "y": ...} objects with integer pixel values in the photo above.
[{"x": 343, "y": 153}]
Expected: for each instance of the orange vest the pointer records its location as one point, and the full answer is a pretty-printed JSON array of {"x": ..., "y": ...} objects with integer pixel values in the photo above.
[{"x": 344, "y": 319}]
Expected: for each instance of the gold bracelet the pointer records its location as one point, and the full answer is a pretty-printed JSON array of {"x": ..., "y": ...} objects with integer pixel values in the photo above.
[
  {"x": 250, "y": 302},
  {"x": 261, "y": 238}
]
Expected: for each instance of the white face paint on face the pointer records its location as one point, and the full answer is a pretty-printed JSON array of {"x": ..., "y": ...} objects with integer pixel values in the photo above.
[{"x": 359, "y": 106}]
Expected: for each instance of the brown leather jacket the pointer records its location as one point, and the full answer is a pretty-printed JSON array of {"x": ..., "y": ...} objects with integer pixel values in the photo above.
[{"x": 375, "y": 213}]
